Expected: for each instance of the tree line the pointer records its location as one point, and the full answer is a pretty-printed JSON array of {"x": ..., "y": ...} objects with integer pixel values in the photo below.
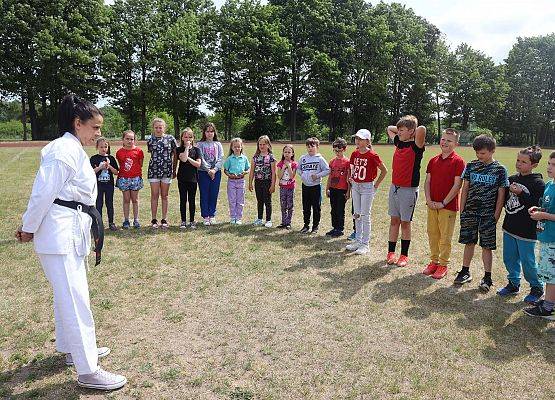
[{"x": 288, "y": 68}]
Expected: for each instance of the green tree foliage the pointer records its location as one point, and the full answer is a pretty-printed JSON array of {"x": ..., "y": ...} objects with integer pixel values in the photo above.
[
  {"x": 530, "y": 73},
  {"x": 48, "y": 49},
  {"x": 475, "y": 88}
]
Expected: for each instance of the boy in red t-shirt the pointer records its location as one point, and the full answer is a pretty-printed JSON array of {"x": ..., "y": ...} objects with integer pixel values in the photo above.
[
  {"x": 442, "y": 186},
  {"x": 338, "y": 188},
  {"x": 364, "y": 170},
  {"x": 409, "y": 140}
]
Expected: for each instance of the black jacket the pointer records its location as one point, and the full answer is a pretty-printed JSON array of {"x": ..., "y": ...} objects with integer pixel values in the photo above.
[{"x": 517, "y": 220}]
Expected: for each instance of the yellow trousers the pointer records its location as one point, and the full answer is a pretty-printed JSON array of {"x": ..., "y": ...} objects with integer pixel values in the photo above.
[{"x": 441, "y": 224}]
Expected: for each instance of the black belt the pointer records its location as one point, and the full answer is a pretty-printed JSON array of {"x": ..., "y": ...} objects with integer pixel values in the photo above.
[{"x": 97, "y": 226}]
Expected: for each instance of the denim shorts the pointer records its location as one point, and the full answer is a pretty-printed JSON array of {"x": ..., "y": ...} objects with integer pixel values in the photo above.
[{"x": 125, "y": 184}]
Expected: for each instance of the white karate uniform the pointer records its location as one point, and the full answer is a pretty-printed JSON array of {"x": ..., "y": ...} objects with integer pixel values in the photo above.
[{"x": 62, "y": 241}]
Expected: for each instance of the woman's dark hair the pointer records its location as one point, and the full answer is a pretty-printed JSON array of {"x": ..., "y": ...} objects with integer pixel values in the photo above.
[{"x": 73, "y": 107}]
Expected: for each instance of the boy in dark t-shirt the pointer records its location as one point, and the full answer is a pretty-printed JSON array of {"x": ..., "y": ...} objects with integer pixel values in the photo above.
[
  {"x": 482, "y": 199},
  {"x": 519, "y": 230}
]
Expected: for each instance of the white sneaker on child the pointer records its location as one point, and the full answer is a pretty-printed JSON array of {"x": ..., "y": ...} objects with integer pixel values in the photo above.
[
  {"x": 257, "y": 222},
  {"x": 268, "y": 224},
  {"x": 238, "y": 222},
  {"x": 213, "y": 221},
  {"x": 206, "y": 221},
  {"x": 102, "y": 380},
  {"x": 363, "y": 249},
  {"x": 232, "y": 221},
  {"x": 354, "y": 246}
]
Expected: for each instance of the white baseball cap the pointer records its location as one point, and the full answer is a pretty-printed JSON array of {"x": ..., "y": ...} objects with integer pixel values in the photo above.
[{"x": 363, "y": 134}]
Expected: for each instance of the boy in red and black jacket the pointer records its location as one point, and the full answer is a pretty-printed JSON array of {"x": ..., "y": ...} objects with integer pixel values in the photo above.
[{"x": 409, "y": 140}]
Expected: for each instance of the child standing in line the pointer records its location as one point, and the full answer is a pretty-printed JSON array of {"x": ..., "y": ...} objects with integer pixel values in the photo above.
[
  {"x": 338, "y": 187},
  {"x": 442, "y": 186},
  {"x": 519, "y": 230},
  {"x": 209, "y": 173},
  {"x": 189, "y": 160},
  {"x": 130, "y": 181},
  {"x": 313, "y": 168},
  {"x": 286, "y": 170},
  {"x": 545, "y": 217},
  {"x": 409, "y": 140},
  {"x": 236, "y": 167},
  {"x": 161, "y": 169},
  {"x": 263, "y": 173},
  {"x": 364, "y": 163},
  {"x": 482, "y": 199},
  {"x": 105, "y": 166}
]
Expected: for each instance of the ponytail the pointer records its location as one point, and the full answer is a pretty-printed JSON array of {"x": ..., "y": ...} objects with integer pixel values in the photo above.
[{"x": 73, "y": 107}]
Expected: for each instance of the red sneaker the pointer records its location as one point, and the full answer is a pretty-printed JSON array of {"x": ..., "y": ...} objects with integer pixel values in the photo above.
[
  {"x": 430, "y": 269},
  {"x": 441, "y": 271},
  {"x": 391, "y": 258},
  {"x": 402, "y": 261}
]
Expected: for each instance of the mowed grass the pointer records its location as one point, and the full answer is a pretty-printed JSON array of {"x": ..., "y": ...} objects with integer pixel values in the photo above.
[{"x": 230, "y": 312}]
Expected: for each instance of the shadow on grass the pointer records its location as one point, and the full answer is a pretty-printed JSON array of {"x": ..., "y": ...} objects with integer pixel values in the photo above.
[
  {"x": 18, "y": 379},
  {"x": 351, "y": 282},
  {"x": 479, "y": 311}
]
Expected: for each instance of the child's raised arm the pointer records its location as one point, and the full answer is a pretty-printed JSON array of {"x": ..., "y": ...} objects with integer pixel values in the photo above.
[
  {"x": 392, "y": 131},
  {"x": 383, "y": 173},
  {"x": 420, "y": 136}
]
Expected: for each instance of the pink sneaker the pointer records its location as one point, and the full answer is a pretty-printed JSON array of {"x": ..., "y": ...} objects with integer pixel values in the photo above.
[
  {"x": 391, "y": 258},
  {"x": 402, "y": 261},
  {"x": 430, "y": 269}
]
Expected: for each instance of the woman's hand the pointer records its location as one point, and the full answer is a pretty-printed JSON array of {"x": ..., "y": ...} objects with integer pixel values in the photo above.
[{"x": 23, "y": 237}]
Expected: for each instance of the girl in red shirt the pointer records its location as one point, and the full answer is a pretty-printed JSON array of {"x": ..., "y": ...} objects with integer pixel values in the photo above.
[
  {"x": 130, "y": 181},
  {"x": 365, "y": 164}
]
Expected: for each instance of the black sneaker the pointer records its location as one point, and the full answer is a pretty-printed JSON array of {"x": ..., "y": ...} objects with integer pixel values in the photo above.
[
  {"x": 314, "y": 230},
  {"x": 330, "y": 233},
  {"x": 281, "y": 226},
  {"x": 288, "y": 227},
  {"x": 509, "y": 290},
  {"x": 112, "y": 226},
  {"x": 305, "y": 229},
  {"x": 462, "y": 277},
  {"x": 337, "y": 234},
  {"x": 485, "y": 284},
  {"x": 539, "y": 311},
  {"x": 536, "y": 293}
]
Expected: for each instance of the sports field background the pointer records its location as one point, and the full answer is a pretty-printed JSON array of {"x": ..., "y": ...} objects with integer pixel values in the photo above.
[{"x": 229, "y": 312}]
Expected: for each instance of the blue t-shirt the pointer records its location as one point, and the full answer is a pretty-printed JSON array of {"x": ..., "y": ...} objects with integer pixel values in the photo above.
[
  {"x": 548, "y": 203},
  {"x": 484, "y": 183},
  {"x": 237, "y": 164}
]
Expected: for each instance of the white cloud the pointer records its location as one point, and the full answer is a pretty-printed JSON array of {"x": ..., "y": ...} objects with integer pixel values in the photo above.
[{"x": 491, "y": 26}]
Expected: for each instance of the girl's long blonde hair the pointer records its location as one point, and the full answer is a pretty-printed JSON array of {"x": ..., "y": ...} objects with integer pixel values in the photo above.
[
  {"x": 267, "y": 139},
  {"x": 235, "y": 140}
]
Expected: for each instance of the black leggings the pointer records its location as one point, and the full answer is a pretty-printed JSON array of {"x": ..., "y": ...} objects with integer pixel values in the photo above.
[
  {"x": 263, "y": 197},
  {"x": 106, "y": 191},
  {"x": 187, "y": 191}
]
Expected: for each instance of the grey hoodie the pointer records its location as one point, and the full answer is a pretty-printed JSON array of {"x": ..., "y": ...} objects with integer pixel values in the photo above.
[
  {"x": 211, "y": 154},
  {"x": 309, "y": 165}
]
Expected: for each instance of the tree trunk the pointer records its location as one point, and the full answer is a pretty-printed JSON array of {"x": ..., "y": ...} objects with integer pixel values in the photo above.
[
  {"x": 294, "y": 101},
  {"x": 24, "y": 115},
  {"x": 438, "y": 115},
  {"x": 465, "y": 118},
  {"x": 33, "y": 118}
]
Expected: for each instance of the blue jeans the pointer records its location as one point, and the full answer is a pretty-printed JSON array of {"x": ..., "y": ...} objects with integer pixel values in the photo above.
[
  {"x": 209, "y": 189},
  {"x": 517, "y": 253}
]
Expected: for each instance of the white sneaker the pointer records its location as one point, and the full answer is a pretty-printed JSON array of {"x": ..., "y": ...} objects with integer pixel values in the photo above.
[
  {"x": 363, "y": 249},
  {"x": 232, "y": 221},
  {"x": 213, "y": 221},
  {"x": 183, "y": 225},
  {"x": 206, "y": 221},
  {"x": 353, "y": 246},
  {"x": 268, "y": 224},
  {"x": 257, "y": 222},
  {"x": 102, "y": 352},
  {"x": 101, "y": 380},
  {"x": 238, "y": 222}
]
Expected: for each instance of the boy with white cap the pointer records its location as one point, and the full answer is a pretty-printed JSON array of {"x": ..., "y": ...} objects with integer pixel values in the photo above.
[{"x": 365, "y": 163}]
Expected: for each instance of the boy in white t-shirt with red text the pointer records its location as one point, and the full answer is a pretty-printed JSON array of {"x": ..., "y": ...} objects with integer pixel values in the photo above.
[{"x": 365, "y": 164}]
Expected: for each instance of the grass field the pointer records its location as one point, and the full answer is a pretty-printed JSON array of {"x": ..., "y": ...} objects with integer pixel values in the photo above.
[{"x": 230, "y": 312}]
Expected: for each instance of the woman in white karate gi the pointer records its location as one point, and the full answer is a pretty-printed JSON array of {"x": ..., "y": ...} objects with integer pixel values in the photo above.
[{"x": 58, "y": 222}]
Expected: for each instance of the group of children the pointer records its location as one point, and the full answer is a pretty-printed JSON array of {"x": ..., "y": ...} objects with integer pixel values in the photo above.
[{"x": 480, "y": 189}]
